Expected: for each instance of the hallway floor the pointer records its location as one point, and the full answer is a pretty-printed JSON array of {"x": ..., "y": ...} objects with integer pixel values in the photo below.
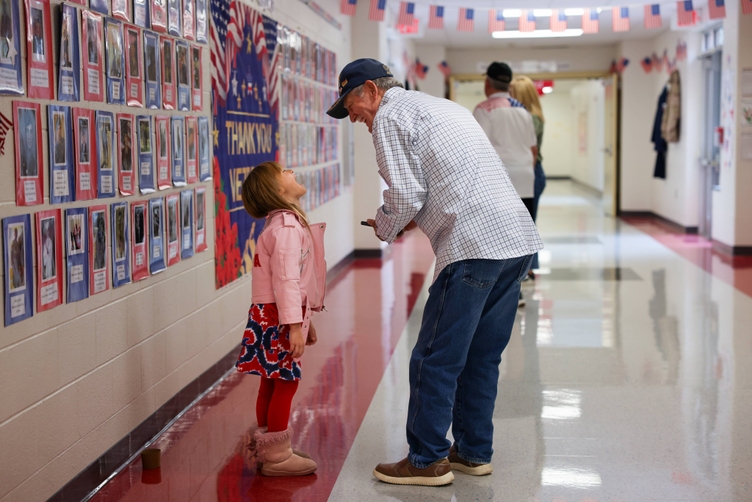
[{"x": 628, "y": 378}]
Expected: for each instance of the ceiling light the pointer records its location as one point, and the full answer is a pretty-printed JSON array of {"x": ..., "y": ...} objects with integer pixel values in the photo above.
[
  {"x": 598, "y": 10},
  {"x": 542, "y": 12},
  {"x": 512, "y": 13},
  {"x": 537, "y": 34},
  {"x": 574, "y": 12}
]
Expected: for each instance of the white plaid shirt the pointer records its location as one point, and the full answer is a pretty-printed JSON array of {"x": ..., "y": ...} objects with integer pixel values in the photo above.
[{"x": 443, "y": 172}]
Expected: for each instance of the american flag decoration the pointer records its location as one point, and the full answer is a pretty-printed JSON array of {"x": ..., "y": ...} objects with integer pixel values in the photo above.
[
  {"x": 228, "y": 20},
  {"x": 681, "y": 50},
  {"x": 746, "y": 6},
  {"x": 716, "y": 9},
  {"x": 376, "y": 12},
  {"x": 444, "y": 69},
  {"x": 527, "y": 20},
  {"x": 436, "y": 17},
  {"x": 496, "y": 20},
  {"x": 652, "y": 16},
  {"x": 590, "y": 21},
  {"x": 657, "y": 62},
  {"x": 647, "y": 64},
  {"x": 6, "y": 124},
  {"x": 465, "y": 22},
  {"x": 420, "y": 69},
  {"x": 558, "y": 20},
  {"x": 406, "y": 14},
  {"x": 347, "y": 7},
  {"x": 620, "y": 18},
  {"x": 685, "y": 13}
]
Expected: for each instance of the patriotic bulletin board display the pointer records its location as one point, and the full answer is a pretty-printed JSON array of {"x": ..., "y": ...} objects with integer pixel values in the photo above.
[
  {"x": 122, "y": 59},
  {"x": 271, "y": 88}
]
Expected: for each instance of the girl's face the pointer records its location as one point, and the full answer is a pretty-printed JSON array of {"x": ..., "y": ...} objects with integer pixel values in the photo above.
[{"x": 289, "y": 186}]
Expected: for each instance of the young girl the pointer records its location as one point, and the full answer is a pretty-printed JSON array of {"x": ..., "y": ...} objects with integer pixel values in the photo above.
[{"x": 289, "y": 274}]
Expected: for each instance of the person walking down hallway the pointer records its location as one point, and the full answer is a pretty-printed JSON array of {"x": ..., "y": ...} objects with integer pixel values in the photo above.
[
  {"x": 523, "y": 90},
  {"x": 444, "y": 176}
]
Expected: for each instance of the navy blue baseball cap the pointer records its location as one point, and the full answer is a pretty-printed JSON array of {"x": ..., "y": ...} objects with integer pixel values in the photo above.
[{"x": 354, "y": 75}]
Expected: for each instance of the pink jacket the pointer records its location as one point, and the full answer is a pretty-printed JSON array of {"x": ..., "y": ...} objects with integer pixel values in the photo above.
[{"x": 289, "y": 268}]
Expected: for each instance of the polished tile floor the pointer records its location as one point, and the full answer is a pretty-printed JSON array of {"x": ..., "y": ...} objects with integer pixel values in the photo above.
[{"x": 628, "y": 378}]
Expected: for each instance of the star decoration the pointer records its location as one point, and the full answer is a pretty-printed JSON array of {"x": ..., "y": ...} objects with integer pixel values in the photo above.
[
  {"x": 11, "y": 49},
  {"x": 215, "y": 133}
]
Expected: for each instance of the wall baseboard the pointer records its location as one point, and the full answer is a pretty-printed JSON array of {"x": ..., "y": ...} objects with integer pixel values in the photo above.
[
  {"x": 89, "y": 480},
  {"x": 557, "y": 178},
  {"x": 662, "y": 219},
  {"x": 368, "y": 253},
  {"x": 732, "y": 250}
]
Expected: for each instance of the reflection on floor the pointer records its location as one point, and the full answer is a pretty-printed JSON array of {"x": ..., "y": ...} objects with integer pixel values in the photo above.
[{"x": 627, "y": 379}]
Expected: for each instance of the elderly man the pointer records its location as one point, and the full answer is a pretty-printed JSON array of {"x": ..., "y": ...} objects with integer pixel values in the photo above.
[{"x": 445, "y": 177}]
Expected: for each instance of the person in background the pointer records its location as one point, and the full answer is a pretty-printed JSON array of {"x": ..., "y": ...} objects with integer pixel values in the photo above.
[
  {"x": 523, "y": 90},
  {"x": 509, "y": 127}
]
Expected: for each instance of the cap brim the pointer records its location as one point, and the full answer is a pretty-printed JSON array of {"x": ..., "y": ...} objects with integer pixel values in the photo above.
[{"x": 338, "y": 110}]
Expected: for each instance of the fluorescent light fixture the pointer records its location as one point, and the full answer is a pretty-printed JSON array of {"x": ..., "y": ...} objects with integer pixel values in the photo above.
[
  {"x": 542, "y": 12},
  {"x": 598, "y": 10},
  {"x": 512, "y": 13},
  {"x": 547, "y": 90},
  {"x": 574, "y": 12},
  {"x": 574, "y": 32}
]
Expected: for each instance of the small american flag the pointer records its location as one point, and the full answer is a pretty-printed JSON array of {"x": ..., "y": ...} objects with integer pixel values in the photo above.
[
  {"x": 716, "y": 9},
  {"x": 347, "y": 7},
  {"x": 527, "y": 20},
  {"x": 436, "y": 17},
  {"x": 685, "y": 13},
  {"x": 376, "y": 12},
  {"x": 620, "y": 18},
  {"x": 406, "y": 14},
  {"x": 496, "y": 20},
  {"x": 590, "y": 21},
  {"x": 746, "y": 6},
  {"x": 420, "y": 69},
  {"x": 558, "y": 20},
  {"x": 445, "y": 69},
  {"x": 652, "y": 16},
  {"x": 465, "y": 22}
]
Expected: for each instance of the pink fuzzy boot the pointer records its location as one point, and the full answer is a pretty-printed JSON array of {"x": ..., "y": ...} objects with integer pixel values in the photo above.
[{"x": 276, "y": 456}]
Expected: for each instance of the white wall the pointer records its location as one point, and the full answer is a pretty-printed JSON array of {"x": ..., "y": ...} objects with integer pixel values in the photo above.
[
  {"x": 559, "y": 131},
  {"x": 588, "y": 121},
  {"x": 76, "y": 379}
]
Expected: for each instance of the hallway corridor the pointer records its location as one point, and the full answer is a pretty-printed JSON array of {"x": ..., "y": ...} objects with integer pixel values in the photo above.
[{"x": 628, "y": 378}]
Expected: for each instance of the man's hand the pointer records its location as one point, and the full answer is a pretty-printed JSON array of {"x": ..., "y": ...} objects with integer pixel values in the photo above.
[
  {"x": 312, "y": 338},
  {"x": 297, "y": 344},
  {"x": 373, "y": 224},
  {"x": 408, "y": 227}
]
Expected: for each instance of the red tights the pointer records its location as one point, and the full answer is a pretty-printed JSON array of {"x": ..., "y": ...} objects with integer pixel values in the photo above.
[{"x": 274, "y": 402}]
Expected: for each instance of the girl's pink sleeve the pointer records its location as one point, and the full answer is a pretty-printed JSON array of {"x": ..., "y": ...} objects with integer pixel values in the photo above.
[{"x": 287, "y": 245}]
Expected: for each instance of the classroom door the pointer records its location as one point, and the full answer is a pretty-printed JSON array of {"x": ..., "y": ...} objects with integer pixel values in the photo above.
[{"x": 610, "y": 171}]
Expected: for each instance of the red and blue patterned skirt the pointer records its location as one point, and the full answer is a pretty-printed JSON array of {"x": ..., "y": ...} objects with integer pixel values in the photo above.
[{"x": 265, "y": 349}]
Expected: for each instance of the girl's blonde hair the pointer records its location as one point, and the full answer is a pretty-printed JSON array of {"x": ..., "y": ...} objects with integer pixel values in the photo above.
[
  {"x": 523, "y": 90},
  {"x": 261, "y": 192}
]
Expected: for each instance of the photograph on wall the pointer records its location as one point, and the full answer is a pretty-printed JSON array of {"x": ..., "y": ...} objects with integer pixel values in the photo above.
[
  {"x": 173, "y": 17},
  {"x": 141, "y": 13},
  {"x": 101, "y": 6},
  {"x": 168, "y": 73},
  {"x": 140, "y": 265},
  {"x": 115, "y": 61},
  {"x": 133, "y": 77},
  {"x": 125, "y": 153},
  {"x": 178, "y": 151},
  {"x": 39, "y": 49},
  {"x": 60, "y": 147},
  {"x": 173, "y": 228},
  {"x": 11, "y": 80},
  {"x": 107, "y": 183},
  {"x": 200, "y": 219},
  {"x": 98, "y": 279},
  {"x": 191, "y": 150},
  {"x": 152, "y": 70},
  {"x": 183, "y": 65},
  {"x": 188, "y": 20},
  {"x": 196, "y": 77},
  {"x": 49, "y": 260},
  {"x": 77, "y": 254},
  {"x": 186, "y": 224},
  {"x": 93, "y": 58},
  {"x": 69, "y": 62},
  {"x": 163, "y": 146},
  {"x": 202, "y": 27},
  {"x": 29, "y": 162},
  {"x": 121, "y": 9},
  {"x": 121, "y": 269},
  {"x": 156, "y": 236},
  {"x": 85, "y": 155},
  {"x": 158, "y": 15},
  {"x": 204, "y": 156},
  {"x": 18, "y": 273},
  {"x": 145, "y": 157}
]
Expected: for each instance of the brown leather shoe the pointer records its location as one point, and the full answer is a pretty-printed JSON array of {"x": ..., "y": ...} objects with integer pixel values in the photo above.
[
  {"x": 460, "y": 464},
  {"x": 404, "y": 473}
]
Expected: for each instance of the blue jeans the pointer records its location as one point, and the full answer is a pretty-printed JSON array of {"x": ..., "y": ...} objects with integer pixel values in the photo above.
[
  {"x": 454, "y": 368},
  {"x": 538, "y": 187}
]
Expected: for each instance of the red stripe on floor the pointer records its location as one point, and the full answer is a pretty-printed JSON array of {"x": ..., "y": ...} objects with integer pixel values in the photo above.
[{"x": 203, "y": 453}]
